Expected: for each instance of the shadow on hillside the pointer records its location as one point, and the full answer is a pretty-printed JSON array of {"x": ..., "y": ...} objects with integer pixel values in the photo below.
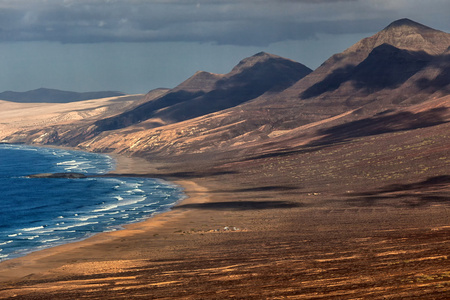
[
  {"x": 378, "y": 124},
  {"x": 144, "y": 111},
  {"x": 331, "y": 83},
  {"x": 240, "y": 205},
  {"x": 286, "y": 152},
  {"x": 441, "y": 81},
  {"x": 274, "y": 188},
  {"x": 385, "y": 67},
  {"x": 271, "y": 188},
  {"x": 250, "y": 83},
  {"x": 174, "y": 175},
  {"x": 381, "y": 124},
  {"x": 432, "y": 190}
]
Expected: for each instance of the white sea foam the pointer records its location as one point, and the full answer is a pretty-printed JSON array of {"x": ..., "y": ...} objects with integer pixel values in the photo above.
[
  {"x": 45, "y": 230},
  {"x": 50, "y": 240},
  {"x": 32, "y": 237},
  {"x": 80, "y": 165},
  {"x": 5, "y": 243},
  {"x": 67, "y": 163},
  {"x": 14, "y": 234},
  {"x": 88, "y": 217},
  {"x": 76, "y": 225},
  {"x": 32, "y": 228},
  {"x": 133, "y": 185},
  {"x": 106, "y": 208},
  {"x": 129, "y": 201}
]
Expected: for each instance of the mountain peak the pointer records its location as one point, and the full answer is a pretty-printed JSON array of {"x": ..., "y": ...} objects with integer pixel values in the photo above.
[
  {"x": 258, "y": 58},
  {"x": 200, "y": 81},
  {"x": 405, "y": 22},
  {"x": 264, "y": 54},
  {"x": 404, "y": 34}
]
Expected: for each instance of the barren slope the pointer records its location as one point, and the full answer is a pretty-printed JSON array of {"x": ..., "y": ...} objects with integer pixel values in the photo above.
[
  {"x": 35, "y": 122},
  {"x": 361, "y": 217}
]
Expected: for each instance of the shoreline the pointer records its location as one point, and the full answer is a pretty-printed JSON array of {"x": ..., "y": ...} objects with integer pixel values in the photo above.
[
  {"x": 293, "y": 239},
  {"x": 30, "y": 264}
]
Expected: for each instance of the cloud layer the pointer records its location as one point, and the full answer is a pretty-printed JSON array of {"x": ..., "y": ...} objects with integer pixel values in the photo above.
[{"x": 231, "y": 22}]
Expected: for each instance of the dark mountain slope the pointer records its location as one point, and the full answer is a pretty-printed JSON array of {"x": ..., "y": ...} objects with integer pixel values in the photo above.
[
  {"x": 205, "y": 93},
  {"x": 44, "y": 95},
  {"x": 385, "y": 67},
  {"x": 200, "y": 81},
  {"x": 402, "y": 34},
  {"x": 403, "y": 64}
]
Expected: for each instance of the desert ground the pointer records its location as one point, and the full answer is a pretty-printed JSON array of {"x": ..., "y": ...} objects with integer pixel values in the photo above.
[{"x": 312, "y": 223}]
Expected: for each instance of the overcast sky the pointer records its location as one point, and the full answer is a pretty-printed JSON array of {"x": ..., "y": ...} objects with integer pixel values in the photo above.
[{"x": 137, "y": 45}]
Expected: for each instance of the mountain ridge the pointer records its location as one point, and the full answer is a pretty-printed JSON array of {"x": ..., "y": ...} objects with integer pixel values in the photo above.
[
  {"x": 45, "y": 95},
  {"x": 189, "y": 118},
  {"x": 403, "y": 79},
  {"x": 403, "y": 34},
  {"x": 252, "y": 77}
]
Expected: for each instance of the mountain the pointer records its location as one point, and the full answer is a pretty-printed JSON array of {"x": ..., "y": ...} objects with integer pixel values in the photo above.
[
  {"x": 385, "y": 67},
  {"x": 402, "y": 34},
  {"x": 205, "y": 93},
  {"x": 405, "y": 64},
  {"x": 405, "y": 34},
  {"x": 44, "y": 95},
  {"x": 267, "y": 103},
  {"x": 391, "y": 69}
]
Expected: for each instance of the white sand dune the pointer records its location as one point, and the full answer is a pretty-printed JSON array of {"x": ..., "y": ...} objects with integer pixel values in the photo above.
[{"x": 16, "y": 117}]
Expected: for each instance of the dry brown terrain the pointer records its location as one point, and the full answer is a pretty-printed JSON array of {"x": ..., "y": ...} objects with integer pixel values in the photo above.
[{"x": 318, "y": 222}]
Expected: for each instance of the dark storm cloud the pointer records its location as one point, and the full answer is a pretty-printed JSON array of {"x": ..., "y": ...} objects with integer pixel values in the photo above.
[{"x": 251, "y": 22}]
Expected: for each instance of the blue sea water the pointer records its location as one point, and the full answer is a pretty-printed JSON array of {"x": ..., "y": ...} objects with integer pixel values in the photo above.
[{"x": 37, "y": 213}]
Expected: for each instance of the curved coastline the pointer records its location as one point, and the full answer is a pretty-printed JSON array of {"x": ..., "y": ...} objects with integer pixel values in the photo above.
[{"x": 41, "y": 261}]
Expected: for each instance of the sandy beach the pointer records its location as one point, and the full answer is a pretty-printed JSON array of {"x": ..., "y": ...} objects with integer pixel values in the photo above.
[
  {"x": 31, "y": 264},
  {"x": 249, "y": 234}
]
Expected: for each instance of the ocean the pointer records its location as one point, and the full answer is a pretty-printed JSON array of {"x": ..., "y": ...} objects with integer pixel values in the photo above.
[{"x": 38, "y": 213}]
